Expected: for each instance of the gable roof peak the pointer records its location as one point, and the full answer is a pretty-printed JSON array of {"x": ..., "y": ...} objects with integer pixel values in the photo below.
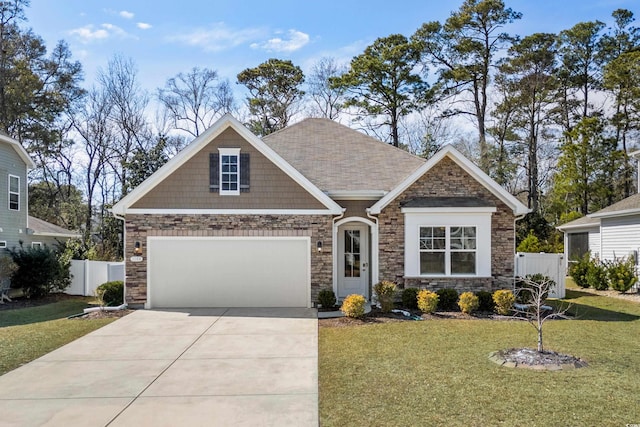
[
  {"x": 468, "y": 166},
  {"x": 225, "y": 122}
]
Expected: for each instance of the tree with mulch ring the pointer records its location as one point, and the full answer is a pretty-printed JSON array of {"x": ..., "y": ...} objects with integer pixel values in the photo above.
[{"x": 532, "y": 291}]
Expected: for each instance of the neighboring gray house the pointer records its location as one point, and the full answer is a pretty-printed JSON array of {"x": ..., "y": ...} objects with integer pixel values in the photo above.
[
  {"x": 612, "y": 232},
  {"x": 15, "y": 223}
]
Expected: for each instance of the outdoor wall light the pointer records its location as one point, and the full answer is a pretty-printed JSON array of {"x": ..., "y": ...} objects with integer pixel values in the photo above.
[
  {"x": 319, "y": 245},
  {"x": 137, "y": 249}
]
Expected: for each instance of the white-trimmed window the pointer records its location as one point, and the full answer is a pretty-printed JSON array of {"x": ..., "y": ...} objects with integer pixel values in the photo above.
[
  {"x": 447, "y": 250},
  {"x": 3, "y": 244},
  {"x": 14, "y": 193},
  {"x": 36, "y": 245},
  {"x": 229, "y": 171},
  {"x": 454, "y": 242}
]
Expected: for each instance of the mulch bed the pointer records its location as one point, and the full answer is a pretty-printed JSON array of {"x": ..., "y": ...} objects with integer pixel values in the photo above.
[
  {"x": 529, "y": 358},
  {"x": 103, "y": 314},
  {"x": 22, "y": 302},
  {"x": 376, "y": 316}
]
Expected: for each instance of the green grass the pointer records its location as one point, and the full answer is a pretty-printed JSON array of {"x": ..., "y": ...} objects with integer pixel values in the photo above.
[
  {"x": 437, "y": 372},
  {"x": 28, "y": 333}
]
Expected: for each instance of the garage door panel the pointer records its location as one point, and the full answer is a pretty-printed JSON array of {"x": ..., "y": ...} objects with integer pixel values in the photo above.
[{"x": 233, "y": 272}]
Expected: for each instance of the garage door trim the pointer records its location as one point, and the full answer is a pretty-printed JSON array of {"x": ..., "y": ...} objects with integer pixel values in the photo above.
[{"x": 151, "y": 239}]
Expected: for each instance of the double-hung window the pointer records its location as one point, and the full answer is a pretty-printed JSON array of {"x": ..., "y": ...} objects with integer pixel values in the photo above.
[
  {"x": 229, "y": 171},
  {"x": 14, "y": 193},
  {"x": 447, "y": 242},
  {"x": 446, "y": 250}
]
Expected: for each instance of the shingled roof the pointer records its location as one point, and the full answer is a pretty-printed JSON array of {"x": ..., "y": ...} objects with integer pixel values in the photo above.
[
  {"x": 628, "y": 206},
  {"x": 44, "y": 228},
  {"x": 337, "y": 158}
]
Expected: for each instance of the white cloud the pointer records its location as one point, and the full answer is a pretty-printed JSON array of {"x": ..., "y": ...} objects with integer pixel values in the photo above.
[
  {"x": 218, "y": 37},
  {"x": 89, "y": 33},
  {"x": 143, "y": 25},
  {"x": 295, "y": 40},
  {"x": 126, "y": 14}
]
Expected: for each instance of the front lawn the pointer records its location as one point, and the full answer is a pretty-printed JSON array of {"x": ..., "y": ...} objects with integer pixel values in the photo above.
[
  {"x": 28, "y": 333},
  {"x": 437, "y": 372}
]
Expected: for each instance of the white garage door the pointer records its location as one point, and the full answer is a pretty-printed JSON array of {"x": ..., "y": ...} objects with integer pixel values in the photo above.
[{"x": 228, "y": 272}]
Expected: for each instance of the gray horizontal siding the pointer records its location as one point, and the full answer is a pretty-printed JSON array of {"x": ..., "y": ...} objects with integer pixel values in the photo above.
[
  {"x": 13, "y": 223},
  {"x": 594, "y": 243}
]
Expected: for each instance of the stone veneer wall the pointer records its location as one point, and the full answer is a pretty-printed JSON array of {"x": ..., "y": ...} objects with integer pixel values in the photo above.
[
  {"x": 139, "y": 227},
  {"x": 447, "y": 179}
]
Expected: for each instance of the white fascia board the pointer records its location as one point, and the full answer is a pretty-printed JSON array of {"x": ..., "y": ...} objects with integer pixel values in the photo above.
[
  {"x": 20, "y": 150},
  {"x": 473, "y": 170},
  {"x": 578, "y": 228},
  {"x": 122, "y": 207},
  {"x": 145, "y": 211},
  {"x": 66, "y": 235},
  {"x": 489, "y": 209},
  {"x": 356, "y": 195},
  {"x": 613, "y": 214}
]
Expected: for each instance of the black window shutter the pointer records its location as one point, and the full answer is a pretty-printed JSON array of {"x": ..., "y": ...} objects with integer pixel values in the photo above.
[
  {"x": 245, "y": 172},
  {"x": 214, "y": 172}
]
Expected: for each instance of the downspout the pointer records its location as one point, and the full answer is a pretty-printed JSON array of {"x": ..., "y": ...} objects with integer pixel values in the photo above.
[
  {"x": 515, "y": 235},
  {"x": 124, "y": 253},
  {"x": 374, "y": 253},
  {"x": 334, "y": 251}
]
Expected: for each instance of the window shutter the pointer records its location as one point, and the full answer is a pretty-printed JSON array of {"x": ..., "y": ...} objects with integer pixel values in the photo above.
[
  {"x": 214, "y": 172},
  {"x": 244, "y": 172}
]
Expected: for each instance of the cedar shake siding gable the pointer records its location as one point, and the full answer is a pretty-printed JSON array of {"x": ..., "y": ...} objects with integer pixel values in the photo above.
[
  {"x": 267, "y": 187},
  {"x": 447, "y": 179}
]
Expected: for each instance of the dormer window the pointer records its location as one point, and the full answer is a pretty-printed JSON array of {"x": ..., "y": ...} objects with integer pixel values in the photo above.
[
  {"x": 14, "y": 193},
  {"x": 229, "y": 171}
]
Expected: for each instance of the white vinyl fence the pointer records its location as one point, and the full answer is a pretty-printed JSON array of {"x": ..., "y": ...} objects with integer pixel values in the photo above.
[
  {"x": 551, "y": 265},
  {"x": 88, "y": 275}
]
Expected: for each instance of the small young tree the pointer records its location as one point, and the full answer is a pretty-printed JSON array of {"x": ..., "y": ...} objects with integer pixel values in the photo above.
[{"x": 534, "y": 310}]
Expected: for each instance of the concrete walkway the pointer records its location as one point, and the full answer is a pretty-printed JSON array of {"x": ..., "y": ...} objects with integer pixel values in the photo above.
[{"x": 197, "y": 367}]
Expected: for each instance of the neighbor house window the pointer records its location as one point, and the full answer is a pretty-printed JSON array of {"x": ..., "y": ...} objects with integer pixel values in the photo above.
[
  {"x": 14, "y": 193},
  {"x": 3, "y": 244},
  {"x": 229, "y": 171},
  {"x": 447, "y": 250},
  {"x": 36, "y": 245},
  {"x": 578, "y": 245}
]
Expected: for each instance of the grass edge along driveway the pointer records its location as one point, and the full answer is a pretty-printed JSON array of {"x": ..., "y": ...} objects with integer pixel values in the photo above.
[
  {"x": 436, "y": 372},
  {"x": 28, "y": 333}
]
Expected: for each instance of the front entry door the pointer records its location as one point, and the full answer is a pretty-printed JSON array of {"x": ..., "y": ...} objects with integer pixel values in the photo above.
[{"x": 353, "y": 260}]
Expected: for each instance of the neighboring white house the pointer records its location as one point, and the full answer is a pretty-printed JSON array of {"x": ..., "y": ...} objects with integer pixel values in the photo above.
[{"x": 612, "y": 232}]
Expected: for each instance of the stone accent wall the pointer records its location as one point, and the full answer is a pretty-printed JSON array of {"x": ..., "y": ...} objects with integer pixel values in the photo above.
[
  {"x": 139, "y": 227},
  {"x": 447, "y": 179}
]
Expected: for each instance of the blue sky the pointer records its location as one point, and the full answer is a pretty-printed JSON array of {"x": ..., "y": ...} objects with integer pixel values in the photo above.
[{"x": 166, "y": 37}]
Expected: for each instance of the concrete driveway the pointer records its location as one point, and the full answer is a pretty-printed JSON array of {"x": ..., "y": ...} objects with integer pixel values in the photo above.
[{"x": 195, "y": 367}]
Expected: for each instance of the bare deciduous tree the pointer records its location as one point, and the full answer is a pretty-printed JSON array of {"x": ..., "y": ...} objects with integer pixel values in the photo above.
[
  {"x": 327, "y": 101},
  {"x": 194, "y": 100},
  {"x": 534, "y": 290}
]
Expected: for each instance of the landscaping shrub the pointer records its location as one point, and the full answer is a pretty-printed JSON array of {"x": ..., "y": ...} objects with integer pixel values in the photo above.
[
  {"x": 485, "y": 301},
  {"x": 503, "y": 300},
  {"x": 597, "y": 276},
  {"x": 427, "y": 301},
  {"x": 385, "y": 292},
  {"x": 523, "y": 287},
  {"x": 468, "y": 302},
  {"x": 111, "y": 293},
  {"x": 353, "y": 306},
  {"x": 410, "y": 298},
  {"x": 448, "y": 299},
  {"x": 621, "y": 274},
  {"x": 578, "y": 271},
  {"x": 326, "y": 298},
  {"x": 40, "y": 271}
]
